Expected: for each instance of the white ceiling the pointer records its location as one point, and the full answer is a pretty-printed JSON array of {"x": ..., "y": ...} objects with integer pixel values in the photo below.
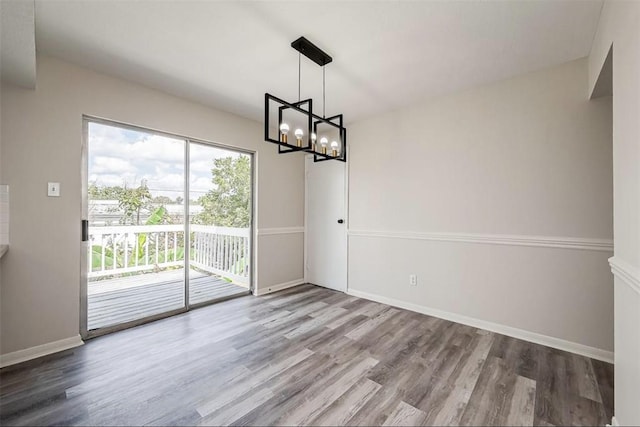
[
  {"x": 387, "y": 54},
  {"x": 17, "y": 43}
]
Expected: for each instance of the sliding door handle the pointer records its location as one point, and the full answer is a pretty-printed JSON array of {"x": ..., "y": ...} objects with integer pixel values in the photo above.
[{"x": 85, "y": 230}]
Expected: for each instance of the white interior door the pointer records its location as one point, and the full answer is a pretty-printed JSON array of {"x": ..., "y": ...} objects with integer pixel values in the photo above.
[{"x": 326, "y": 224}]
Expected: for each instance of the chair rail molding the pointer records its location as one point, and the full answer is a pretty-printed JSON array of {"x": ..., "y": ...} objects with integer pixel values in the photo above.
[
  {"x": 625, "y": 272},
  {"x": 559, "y": 242}
]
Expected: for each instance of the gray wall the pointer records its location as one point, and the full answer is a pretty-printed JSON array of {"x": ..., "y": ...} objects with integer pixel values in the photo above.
[
  {"x": 499, "y": 199},
  {"x": 41, "y": 141}
]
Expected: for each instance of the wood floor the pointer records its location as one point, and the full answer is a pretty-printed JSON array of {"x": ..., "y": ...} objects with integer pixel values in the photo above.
[{"x": 307, "y": 355}]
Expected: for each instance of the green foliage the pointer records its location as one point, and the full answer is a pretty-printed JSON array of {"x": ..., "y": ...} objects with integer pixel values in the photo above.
[
  {"x": 240, "y": 266},
  {"x": 179, "y": 253},
  {"x": 163, "y": 200},
  {"x": 132, "y": 201},
  {"x": 96, "y": 257},
  {"x": 228, "y": 204},
  {"x": 104, "y": 193},
  {"x": 157, "y": 217}
]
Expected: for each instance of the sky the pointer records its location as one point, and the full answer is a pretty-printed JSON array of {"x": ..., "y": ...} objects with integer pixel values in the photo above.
[{"x": 119, "y": 156}]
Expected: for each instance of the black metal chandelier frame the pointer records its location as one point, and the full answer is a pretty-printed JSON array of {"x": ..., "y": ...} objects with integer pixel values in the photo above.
[{"x": 305, "y": 107}]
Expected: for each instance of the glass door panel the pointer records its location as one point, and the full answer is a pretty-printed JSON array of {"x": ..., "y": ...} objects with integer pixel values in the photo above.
[
  {"x": 136, "y": 212},
  {"x": 219, "y": 223}
]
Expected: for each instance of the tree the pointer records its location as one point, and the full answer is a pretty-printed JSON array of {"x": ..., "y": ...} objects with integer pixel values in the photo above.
[
  {"x": 163, "y": 200},
  {"x": 104, "y": 193},
  {"x": 133, "y": 200},
  {"x": 228, "y": 203}
]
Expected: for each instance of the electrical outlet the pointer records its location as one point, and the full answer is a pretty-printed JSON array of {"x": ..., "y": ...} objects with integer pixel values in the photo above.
[
  {"x": 53, "y": 189},
  {"x": 413, "y": 280}
]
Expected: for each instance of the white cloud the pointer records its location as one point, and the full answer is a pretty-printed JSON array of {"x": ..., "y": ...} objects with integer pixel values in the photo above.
[
  {"x": 103, "y": 164},
  {"x": 201, "y": 166},
  {"x": 200, "y": 185},
  {"x": 171, "y": 182},
  {"x": 125, "y": 157}
]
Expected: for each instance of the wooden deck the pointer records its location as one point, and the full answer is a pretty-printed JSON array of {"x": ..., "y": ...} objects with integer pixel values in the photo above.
[{"x": 115, "y": 301}]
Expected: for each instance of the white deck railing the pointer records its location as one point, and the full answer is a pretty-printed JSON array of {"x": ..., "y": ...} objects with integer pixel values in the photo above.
[{"x": 128, "y": 249}]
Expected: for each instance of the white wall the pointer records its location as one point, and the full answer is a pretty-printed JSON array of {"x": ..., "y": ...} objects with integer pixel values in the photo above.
[
  {"x": 620, "y": 26},
  {"x": 458, "y": 190},
  {"x": 41, "y": 141}
]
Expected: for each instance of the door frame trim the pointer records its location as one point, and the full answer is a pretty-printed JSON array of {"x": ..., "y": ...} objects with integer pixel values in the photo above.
[
  {"x": 185, "y": 229},
  {"x": 84, "y": 208},
  {"x": 84, "y": 215}
]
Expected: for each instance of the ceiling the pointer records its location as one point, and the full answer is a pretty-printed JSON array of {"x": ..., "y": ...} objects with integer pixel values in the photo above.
[
  {"x": 17, "y": 43},
  {"x": 387, "y": 54}
]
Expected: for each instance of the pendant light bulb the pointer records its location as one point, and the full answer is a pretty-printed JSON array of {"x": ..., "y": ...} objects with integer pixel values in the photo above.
[
  {"x": 284, "y": 129},
  {"x": 334, "y": 148},
  {"x": 299, "y": 134},
  {"x": 323, "y": 144},
  {"x": 313, "y": 141}
]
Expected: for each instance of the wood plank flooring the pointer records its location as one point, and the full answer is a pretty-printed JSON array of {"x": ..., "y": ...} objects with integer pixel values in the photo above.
[
  {"x": 307, "y": 356},
  {"x": 120, "y": 300}
]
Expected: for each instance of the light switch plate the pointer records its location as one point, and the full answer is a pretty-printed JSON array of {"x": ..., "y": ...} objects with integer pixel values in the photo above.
[{"x": 53, "y": 189}]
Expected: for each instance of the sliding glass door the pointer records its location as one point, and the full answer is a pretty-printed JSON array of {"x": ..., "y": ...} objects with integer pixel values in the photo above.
[
  {"x": 219, "y": 223},
  {"x": 168, "y": 225}
]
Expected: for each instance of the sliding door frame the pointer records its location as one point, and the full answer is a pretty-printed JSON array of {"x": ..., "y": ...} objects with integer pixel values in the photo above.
[{"x": 85, "y": 333}]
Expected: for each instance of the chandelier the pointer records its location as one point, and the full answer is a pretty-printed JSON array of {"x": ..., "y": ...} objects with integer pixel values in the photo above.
[{"x": 296, "y": 128}]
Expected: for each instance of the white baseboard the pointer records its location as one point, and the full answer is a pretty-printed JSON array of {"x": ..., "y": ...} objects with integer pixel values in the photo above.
[
  {"x": 278, "y": 287},
  {"x": 39, "y": 351},
  {"x": 614, "y": 422},
  {"x": 572, "y": 347}
]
